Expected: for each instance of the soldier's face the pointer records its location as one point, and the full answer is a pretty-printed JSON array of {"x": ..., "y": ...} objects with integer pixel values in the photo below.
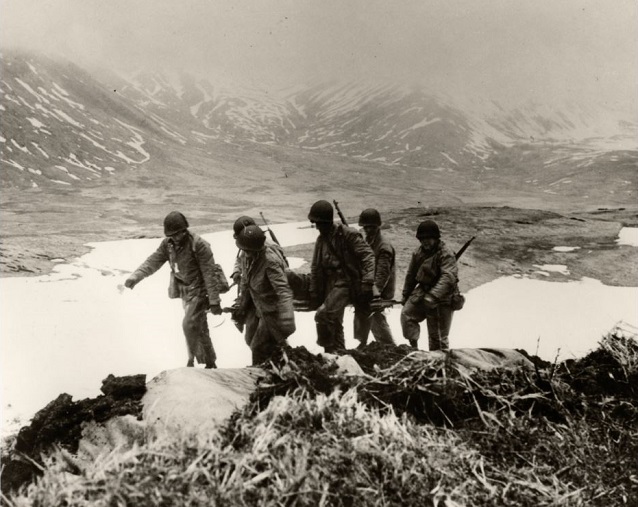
[
  {"x": 429, "y": 243},
  {"x": 323, "y": 227},
  {"x": 177, "y": 238},
  {"x": 370, "y": 230}
]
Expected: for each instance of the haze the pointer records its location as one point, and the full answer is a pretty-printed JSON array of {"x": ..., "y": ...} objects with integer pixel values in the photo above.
[{"x": 539, "y": 49}]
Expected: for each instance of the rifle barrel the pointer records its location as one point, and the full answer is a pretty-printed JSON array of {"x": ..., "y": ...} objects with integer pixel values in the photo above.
[{"x": 343, "y": 219}]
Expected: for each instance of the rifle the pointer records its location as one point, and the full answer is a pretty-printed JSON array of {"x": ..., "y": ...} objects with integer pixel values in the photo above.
[
  {"x": 272, "y": 234},
  {"x": 343, "y": 219},
  {"x": 378, "y": 305},
  {"x": 464, "y": 247}
]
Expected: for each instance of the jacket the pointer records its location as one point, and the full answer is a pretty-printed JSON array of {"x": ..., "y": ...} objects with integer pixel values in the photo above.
[
  {"x": 192, "y": 265},
  {"x": 385, "y": 268},
  {"x": 435, "y": 273},
  {"x": 240, "y": 261},
  {"x": 354, "y": 262},
  {"x": 265, "y": 281}
]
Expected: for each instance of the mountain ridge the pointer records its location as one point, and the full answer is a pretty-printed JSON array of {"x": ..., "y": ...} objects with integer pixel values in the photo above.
[{"x": 63, "y": 126}]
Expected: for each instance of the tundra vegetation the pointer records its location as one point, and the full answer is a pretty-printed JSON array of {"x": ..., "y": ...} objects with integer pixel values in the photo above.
[{"x": 412, "y": 430}]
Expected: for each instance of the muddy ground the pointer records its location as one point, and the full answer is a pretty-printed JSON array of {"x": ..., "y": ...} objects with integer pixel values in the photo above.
[
  {"x": 515, "y": 225},
  {"x": 509, "y": 241}
]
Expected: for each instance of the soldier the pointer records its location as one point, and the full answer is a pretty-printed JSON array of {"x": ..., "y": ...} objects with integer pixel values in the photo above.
[
  {"x": 384, "y": 281},
  {"x": 239, "y": 225},
  {"x": 264, "y": 285},
  {"x": 248, "y": 320},
  {"x": 430, "y": 282},
  {"x": 342, "y": 272},
  {"x": 193, "y": 279}
]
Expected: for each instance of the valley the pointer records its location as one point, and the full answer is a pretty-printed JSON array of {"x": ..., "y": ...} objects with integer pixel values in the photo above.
[{"x": 93, "y": 156}]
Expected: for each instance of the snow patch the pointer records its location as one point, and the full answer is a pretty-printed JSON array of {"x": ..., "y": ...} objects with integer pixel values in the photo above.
[
  {"x": 553, "y": 268},
  {"x": 35, "y": 123},
  {"x": 565, "y": 248},
  {"x": 68, "y": 118},
  {"x": 628, "y": 236}
]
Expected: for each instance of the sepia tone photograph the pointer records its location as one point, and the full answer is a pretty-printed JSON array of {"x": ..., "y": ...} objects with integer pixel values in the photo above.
[{"x": 319, "y": 252}]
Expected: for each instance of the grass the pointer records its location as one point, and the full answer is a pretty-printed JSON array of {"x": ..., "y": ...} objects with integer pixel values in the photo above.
[{"x": 417, "y": 433}]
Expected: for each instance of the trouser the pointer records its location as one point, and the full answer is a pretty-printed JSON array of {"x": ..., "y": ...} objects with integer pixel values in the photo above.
[
  {"x": 438, "y": 319},
  {"x": 250, "y": 323},
  {"x": 271, "y": 331},
  {"x": 365, "y": 321},
  {"x": 198, "y": 343},
  {"x": 329, "y": 318}
]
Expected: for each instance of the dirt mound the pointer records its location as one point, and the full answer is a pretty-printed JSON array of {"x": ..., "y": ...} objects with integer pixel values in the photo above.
[
  {"x": 438, "y": 388},
  {"x": 60, "y": 424}
]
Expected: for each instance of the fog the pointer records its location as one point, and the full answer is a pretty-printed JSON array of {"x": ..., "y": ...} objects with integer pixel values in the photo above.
[
  {"x": 66, "y": 331},
  {"x": 539, "y": 49}
]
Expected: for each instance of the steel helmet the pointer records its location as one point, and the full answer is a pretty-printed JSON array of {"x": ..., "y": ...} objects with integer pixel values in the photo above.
[
  {"x": 321, "y": 212},
  {"x": 251, "y": 238},
  {"x": 370, "y": 216},
  {"x": 428, "y": 229},
  {"x": 174, "y": 222},
  {"x": 240, "y": 223}
]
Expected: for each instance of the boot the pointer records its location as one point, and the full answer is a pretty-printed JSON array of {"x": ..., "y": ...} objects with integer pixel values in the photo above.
[
  {"x": 212, "y": 365},
  {"x": 190, "y": 363}
]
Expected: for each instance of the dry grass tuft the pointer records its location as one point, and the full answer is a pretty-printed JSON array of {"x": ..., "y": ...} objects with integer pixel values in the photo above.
[{"x": 417, "y": 433}]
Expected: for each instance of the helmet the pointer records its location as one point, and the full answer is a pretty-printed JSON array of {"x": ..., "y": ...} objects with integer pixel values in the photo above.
[
  {"x": 321, "y": 212},
  {"x": 370, "y": 216},
  {"x": 428, "y": 229},
  {"x": 174, "y": 222},
  {"x": 251, "y": 238},
  {"x": 240, "y": 223}
]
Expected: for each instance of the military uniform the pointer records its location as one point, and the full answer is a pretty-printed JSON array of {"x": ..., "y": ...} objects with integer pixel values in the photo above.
[
  {"x": 384, "y": 280},
  {"x": 249, "y": 314},
  {"x": 195, "y": 281},
  {"x": 430, "y": 282},
  {"x": 342, "y": 266},
  {"x": 264, "y": 287}
]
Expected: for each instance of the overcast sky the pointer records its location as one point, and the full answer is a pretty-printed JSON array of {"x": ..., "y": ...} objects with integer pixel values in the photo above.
[{"x": 497, "y": 48}]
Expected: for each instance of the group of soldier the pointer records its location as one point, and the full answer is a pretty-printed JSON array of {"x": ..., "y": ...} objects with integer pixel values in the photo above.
[{"x": 348, "y": 268}]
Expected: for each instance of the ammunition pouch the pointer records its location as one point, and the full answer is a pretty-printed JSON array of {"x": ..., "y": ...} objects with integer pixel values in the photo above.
[{"x": 457, "y": 302}]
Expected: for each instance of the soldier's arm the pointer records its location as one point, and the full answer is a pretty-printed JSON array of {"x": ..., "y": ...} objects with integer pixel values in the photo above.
[
  {"x": 366, "y": 257},
  {"x": 152, "y": 264},
  {"x": 448, "y": 279},
  {"x": 410, "y": 277},
  {"x": 385, "y": 262},
  {"x": 206, "y": 260}
]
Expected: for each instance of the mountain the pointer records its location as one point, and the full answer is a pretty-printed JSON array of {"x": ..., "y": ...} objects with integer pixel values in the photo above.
[{"x": 62, "y": 125}]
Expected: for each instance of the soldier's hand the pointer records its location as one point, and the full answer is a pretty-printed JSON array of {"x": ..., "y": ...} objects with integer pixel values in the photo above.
[
  {"x": 216, "y": 309},
  {"x": 130, "y": 283},
  {"x": 366, "y": 294},
  {"x": 429, "y": 301},
  {"x": 236, "y": 276},
  {"x": 375, "y": 292}
]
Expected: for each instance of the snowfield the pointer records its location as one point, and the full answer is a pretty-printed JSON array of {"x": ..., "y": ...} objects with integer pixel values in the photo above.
[{"x": 67, "y": 331}]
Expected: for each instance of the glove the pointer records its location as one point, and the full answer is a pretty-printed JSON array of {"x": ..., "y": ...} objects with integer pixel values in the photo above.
[
  {"x": 236, "y": 276},
  {"x": 375, "y": 292},
  {"x": 130, "y": 283},
  {"x": 366, "y": 294},
  {"x": 215, "y": 309},
  {"x": 429, "y": 301}
]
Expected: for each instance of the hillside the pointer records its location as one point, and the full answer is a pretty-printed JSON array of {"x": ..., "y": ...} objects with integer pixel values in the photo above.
[
  {"x": 63, "y": 125},
  {"x": 442, "y": 429},
  {"x": 90, "y": 155}
]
